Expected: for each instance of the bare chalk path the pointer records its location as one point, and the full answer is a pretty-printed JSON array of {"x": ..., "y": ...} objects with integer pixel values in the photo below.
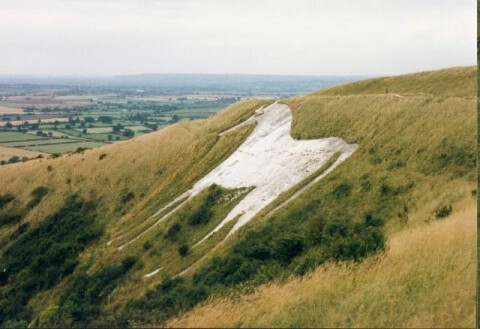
[{"x": 269, "y": 160}]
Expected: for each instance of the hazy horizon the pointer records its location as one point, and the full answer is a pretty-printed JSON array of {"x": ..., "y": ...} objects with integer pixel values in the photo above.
[{"x": 304, "y": 38}]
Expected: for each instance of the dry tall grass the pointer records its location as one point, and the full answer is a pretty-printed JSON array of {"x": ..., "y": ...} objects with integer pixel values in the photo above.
[
  {"x": 426, "y": 279},
  {"x": 451, "y": 82},
  {"x": 7, "y": 152}
]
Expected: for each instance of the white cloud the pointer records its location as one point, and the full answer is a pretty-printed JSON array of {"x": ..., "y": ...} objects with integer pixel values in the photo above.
[{"x": 224, "y": 36}]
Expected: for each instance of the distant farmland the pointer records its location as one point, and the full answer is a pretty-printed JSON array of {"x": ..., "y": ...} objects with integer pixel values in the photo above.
[{"x": 39, "y": 128}]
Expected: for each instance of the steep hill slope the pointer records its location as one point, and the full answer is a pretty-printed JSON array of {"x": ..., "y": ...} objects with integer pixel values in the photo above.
[
  {"x": 121, "y": 184},
  {"x": 425, "y": 279},
  {"x": 63, "y": 220},
  {"x": 416, "y": 162}
]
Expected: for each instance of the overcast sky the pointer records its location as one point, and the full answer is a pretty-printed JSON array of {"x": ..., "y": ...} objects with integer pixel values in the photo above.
[{"x": 309, "y": 37}]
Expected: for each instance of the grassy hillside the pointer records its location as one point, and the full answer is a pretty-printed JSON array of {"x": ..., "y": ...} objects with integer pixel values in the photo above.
[
  {"x": 452, "y": 82},
  {"x": 426, "y": 278},
  {"x": 141, "y": 173},
  {"x": 412, "y": 177},
  {"x": 122, "y": 185},
  {"x": 415, "y": 168}
]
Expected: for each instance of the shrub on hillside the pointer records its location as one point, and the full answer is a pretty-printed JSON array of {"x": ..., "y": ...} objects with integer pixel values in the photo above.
[
  {"x": 443, "y": 211},
  {"x": 183, "y": 250},
  {"x": 10, "y": 218},
  {"x": 81, "y": 300},
  {"x": 168, "y": 299},
  {"x": 201, "y": 216},
  {"x": 204, "y": 213},
  {"x": 6, "y": 199},
  {"x": 173, "y": 231},
  {"x": 128, "y": 196},
  {"x": 341, "y": 191},
  {"x": 285, "y": 249},
  {"x": 42, "y": 256},
  {"x": 19, "y": 231},
  {"x": 37, "y": 196}
]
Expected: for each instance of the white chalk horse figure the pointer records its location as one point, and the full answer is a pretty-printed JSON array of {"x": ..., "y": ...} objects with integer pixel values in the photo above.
[{"x": 269, "y": 160}]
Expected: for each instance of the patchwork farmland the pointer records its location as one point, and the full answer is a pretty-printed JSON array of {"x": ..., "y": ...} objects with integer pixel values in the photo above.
[{"x": 36, "y": 126}]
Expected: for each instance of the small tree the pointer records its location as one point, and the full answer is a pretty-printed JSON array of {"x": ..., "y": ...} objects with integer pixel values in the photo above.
[
  {"x": 14, "y": 159},
  {"x": 183, "y": 250},
  {"x": 128, "y": 133},
  {"x": 117, "y": 128}
]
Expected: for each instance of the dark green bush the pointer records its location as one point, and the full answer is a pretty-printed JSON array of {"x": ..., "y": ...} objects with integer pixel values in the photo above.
[
  {"x": 168, "y": 299},
  {"x": 452, "y": 159},
  {"x": 257, "y": 250},
  {"x": 201, "y": 216},
  {"x": 341, "y": 191},
  {"x": 346, "y": 240},
  {"x": 6, "y": 199},
  {"x": 19, "y": 231},
  {"x": 172, "y": 232},
  {"x": 127, "y": 197},
  {"x": 10, "y": 218},
  {"x": 37, "y": 196},
  {"x": 204, "y": 213},
  {"x": 42, "y": 256},
  {"x": 81, "y": 149},
  {"x": 443, "y": 211},
  {"x": 372, "y": 221},
  {"x": 81, "y": 300},
  {"x": 315, "y": 230},
  {"x": 285, "y": 249},
  {"x": 214, "y": 192},
  {"x": 183, "y": 250},
  {"x": 147, "y": 245}
]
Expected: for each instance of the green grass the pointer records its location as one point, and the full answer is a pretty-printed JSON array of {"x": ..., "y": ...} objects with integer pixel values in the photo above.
[
  {"x": 14, "y": 136},
  {"x": 98, "y": 130},
  {"x": 137, "y": 128},
  {"x": 39, "y": 142},
  {"x": 65, "y": 147},
  {"x": 54, "y": 132}
]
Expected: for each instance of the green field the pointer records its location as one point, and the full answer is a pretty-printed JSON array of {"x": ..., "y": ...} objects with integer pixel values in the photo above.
[
  {"x": 138, "y": 128},
  {"x": 65, "y": 147},
  {"x": 14, "y": 136},
  {"x": 108, "y": 119},
  {"x": 39, "y": 142},
  {"x": 98, "y": 130}
]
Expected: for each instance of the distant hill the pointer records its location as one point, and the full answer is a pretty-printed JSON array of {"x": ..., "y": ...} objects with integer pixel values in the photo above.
[
  {"x": 384, "y": 239},
  {"x": 217, "y": 84}
]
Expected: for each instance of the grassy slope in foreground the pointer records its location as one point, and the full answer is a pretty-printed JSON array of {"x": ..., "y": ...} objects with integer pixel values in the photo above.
[
  {"x": 414, "y": 284},
  {"x": 417, "y": 154}
]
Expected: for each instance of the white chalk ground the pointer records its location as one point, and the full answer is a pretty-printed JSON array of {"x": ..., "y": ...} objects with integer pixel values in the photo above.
[
  {"x": 269, "y": 160},
  {"x": 153, "y": 272}
]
